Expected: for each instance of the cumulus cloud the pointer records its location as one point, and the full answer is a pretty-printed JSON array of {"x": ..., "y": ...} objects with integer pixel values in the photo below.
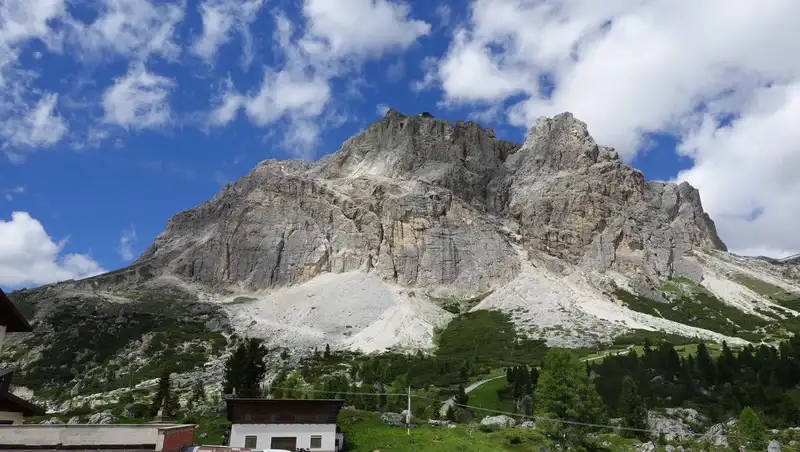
[
  {"x": 364, "y": 27},
  {"x": 28, "y": 119},
  {"x": 132, "y": 29},
  {"x": 338, "y": 36},
  {"x": 221, "y": 18},
  {"x": 29, "y": 256},
  {"x": 139, "y": 99},
  {"x": 633, "y": 68},
  {"x": 126, "y": 242}
]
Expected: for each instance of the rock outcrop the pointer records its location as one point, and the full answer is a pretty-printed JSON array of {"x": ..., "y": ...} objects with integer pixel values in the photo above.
[{"x": 427, "y": 203}]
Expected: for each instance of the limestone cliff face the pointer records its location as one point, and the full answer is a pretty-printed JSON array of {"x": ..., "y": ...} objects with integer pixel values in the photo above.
[
  {"x": 428, "y": 203},
  {"x": 578, "y": 201}
]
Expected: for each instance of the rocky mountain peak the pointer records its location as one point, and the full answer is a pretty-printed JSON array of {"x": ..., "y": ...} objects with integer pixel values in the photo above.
[
  {"x": 462, "y": 156},
  {"x": 430, "y": 203},
  {"x": 563, "y": 143}
]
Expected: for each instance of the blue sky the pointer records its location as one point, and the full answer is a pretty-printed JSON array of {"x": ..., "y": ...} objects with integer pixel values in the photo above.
[{"x": 115, "y": 113}]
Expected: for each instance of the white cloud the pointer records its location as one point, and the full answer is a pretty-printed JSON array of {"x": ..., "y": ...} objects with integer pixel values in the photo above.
[
  {"x": 288, "y": 91},
  {"x": 338, "y": 36},
  {"x": 382, "y": 109},
  {"x": 220, "y": 19},
  {"x": 126, "y": 242},
  {"x": 138, "y": 100},
  {"x": 39, "y": 127},
  {"x": 29, "y": 256},
  {"x": 747, "y": 173},
  {"x": 11, "y": 193},
  {"x": 132, "y": 28},
  {"x": 363, "y": 27},
  {"x": 632, "y": 68},
  {"x": 445, "y": 14},
  {"x": 27, "y": 117}
]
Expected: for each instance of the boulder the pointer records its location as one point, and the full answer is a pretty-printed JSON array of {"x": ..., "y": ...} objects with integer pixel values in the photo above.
[
  {"x": 74, "y": 420},
  {"x": 646, "y": 447},
  {"x": 715, "y": 436},
  {"x": 774, "y": 446},
  {"x": 500, "y": 421},
  {"x": 102, "y": 418},
  {"x": 670, "y": 429},
  {"x": 52, "y": 420},
  {"x": 393, "y": 419}
]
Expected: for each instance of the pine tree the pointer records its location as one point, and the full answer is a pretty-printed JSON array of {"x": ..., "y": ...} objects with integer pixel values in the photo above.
[
  {"x": 327, "y": 353},
  {"x": 705, "y": 365},
  {"x": 198, "y": 395},
  {"x": 451, "y": 414},
  {"x": 171, "y": 405},
  {"x": 163, "y": 398},
  {"x": 534, "y": 378},
  {"x": 632, "y": 408},
  {"x": 463, "y": 373},
  {"x": 245, "y": 369},
  {"x": 565, "y": 392},
  {"x": 461, "y": 396},
  {"x": 751, "y": 429}
]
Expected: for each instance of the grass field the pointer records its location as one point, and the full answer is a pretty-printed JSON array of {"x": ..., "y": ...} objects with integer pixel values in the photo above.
[
  {"x": 364, "y": 431},
  {"x": 485, "y": 396}
]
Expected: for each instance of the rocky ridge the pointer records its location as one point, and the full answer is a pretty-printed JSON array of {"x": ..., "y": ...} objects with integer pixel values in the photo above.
[
  {"x": 362, "y": 248},
  {"x": 413, "y": 199}
]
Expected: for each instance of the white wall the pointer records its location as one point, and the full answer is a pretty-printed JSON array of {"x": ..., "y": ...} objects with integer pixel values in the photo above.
[
  {"x": 79, "y": 434},
  {"x": 11, "y": 416},
  {"x": 2, "y": 336},
  {"x": 303, "y": 432}
]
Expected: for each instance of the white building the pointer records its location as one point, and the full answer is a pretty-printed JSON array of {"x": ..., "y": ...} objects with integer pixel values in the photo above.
[
  {"x": 284, "y": 424},
  {"x": 12, "y": 408}
]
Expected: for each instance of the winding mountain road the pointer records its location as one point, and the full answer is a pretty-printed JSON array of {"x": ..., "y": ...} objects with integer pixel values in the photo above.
[{"x": 449, "y": 402}]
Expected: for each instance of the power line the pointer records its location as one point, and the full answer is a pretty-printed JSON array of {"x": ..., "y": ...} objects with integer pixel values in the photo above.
[
  {"x": 510, "y": 414},
  {"x": 320, "y": 391}
]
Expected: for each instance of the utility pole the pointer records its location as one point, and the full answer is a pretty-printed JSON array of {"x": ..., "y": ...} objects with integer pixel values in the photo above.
[
  {"x": 408, "y": 412},
  {"x": 408, "y": 421}
]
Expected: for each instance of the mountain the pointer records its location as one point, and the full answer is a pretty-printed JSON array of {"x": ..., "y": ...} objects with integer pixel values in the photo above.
[{"x": 412, "y": 222}]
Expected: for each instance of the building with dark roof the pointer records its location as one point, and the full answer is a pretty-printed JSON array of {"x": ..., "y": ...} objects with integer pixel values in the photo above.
[
  {"x": 12, "y": 408},
  {"x": 285, "y": 424}
]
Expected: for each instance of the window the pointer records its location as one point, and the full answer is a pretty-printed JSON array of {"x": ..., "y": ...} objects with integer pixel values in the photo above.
[
  {"x": 316, "y": 442},
  {"x": 251, "y": 442}
]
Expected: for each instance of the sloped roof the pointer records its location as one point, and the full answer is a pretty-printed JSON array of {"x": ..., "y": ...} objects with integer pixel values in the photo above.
[
  {"x": 10, "y": 316},
  {"x": 10, "y": 402},
  {"x": 279, "y": 405}
]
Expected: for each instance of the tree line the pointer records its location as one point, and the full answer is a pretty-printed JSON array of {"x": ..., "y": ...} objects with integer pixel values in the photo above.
[{"x": 762, "y": 377}]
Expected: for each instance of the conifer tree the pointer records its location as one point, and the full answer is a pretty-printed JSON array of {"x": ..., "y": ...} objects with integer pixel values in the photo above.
[
  {"x": 164, "y": 398},
  {"x": 565, "y": 392},
  {"x": 461, "y": 396},
  {"x": 198, "y": 395},
  {"x": 632, "y": 408},
  {"x": 534, "y": 378},
  {"x": 327, "y": 353},
  {"x": 705, "y": 365},
  {"x": 751, "y": 429},
  {"x": 245, "y": 369}
]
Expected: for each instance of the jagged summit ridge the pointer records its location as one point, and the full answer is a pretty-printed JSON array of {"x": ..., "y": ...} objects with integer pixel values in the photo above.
[{"x": 446, "y": 206}]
